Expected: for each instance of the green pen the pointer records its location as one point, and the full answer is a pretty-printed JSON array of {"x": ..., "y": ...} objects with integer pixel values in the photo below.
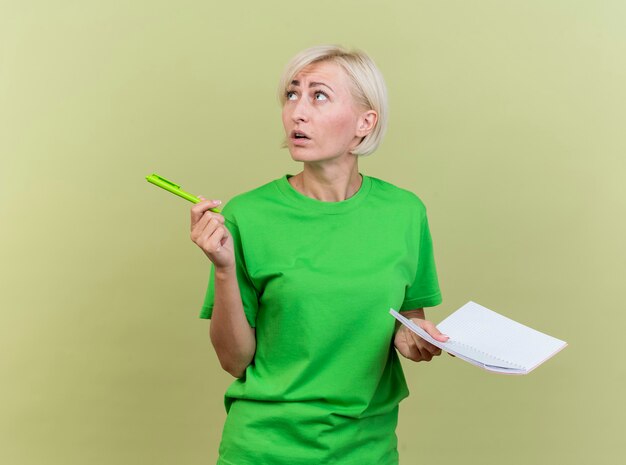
[{"x": 175, "y": 189}]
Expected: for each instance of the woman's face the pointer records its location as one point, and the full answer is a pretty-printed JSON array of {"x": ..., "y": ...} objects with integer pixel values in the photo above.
[{"x": 321, "y": 119}]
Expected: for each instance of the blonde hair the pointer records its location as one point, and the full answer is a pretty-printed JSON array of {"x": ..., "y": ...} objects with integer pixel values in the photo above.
[{"x": 368, "y": 87}]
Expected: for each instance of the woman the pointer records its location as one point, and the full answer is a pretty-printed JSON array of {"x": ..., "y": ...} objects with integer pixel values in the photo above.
[{"x": 305, "y": 269}]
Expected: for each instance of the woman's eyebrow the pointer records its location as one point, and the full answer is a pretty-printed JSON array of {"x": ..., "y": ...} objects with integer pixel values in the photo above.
[
  {"x": 313, "y": 84},
  {"x": 296, "y": 83}
]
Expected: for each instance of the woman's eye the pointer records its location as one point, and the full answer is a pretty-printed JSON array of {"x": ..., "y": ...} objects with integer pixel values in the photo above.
[
  {"x": 291, "y": 95},
  {"x": 320, "y": 96}
]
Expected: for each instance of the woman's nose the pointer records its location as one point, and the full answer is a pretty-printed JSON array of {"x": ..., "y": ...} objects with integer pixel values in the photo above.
[{"x": 300, "y": 111}]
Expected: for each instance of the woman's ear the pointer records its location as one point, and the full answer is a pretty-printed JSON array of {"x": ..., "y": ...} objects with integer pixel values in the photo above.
[{"x": 366, "y": 123}]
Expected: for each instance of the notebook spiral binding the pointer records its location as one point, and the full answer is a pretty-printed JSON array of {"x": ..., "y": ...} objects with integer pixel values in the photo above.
[{"x": 489, "y": 355}]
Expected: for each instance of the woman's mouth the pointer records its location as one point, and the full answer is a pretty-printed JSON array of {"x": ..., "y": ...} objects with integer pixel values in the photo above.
[
  {"x": 300, "y": 138},
  {"x": 299, "y": 135}
]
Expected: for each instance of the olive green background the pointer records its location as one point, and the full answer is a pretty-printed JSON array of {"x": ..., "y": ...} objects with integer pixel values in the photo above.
[{"x": 507, "y": 119}]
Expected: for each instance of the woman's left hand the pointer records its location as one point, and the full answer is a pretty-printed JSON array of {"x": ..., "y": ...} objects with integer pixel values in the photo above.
[{"x": 413, "y": 347}]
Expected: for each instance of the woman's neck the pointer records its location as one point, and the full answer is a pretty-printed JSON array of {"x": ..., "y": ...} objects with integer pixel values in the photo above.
[{"x": 328, "y": 183}]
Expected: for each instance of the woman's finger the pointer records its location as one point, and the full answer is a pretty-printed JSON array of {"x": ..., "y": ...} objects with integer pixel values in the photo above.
[
  {"x": 411, "y": 350},
  {"x": 199, "y": 229},
  {"x": 213, "y": 237},
  {"x": 432, "y": 330},
  {"x": 425, "y": 354},
  {"x": 414, "y": 352},
  {"x": 202, "y": 208},
  {"x": 205, "y": 218},
  {"x": 198, "y": 226},
  {"x": 425, "y": 347},
  {"x": 216, "y": 239},
  {"x": 203, "y": 229},
  {"x": 210, "y": 229},
  {"x": 433, "y": 349}
]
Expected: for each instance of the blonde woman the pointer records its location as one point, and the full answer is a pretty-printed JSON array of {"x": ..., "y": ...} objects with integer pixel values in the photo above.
[{"x": 304, "y": 271}]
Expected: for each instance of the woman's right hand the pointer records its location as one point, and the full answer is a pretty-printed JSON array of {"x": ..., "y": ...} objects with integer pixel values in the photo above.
[{"x": 209, "y": 232}]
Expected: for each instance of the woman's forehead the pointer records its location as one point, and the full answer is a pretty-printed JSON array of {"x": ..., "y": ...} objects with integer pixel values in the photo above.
[{"x": 326, "y": 72}]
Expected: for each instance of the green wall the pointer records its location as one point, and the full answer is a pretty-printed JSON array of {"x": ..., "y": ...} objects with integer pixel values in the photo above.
[{"x": 507, "y": 119}]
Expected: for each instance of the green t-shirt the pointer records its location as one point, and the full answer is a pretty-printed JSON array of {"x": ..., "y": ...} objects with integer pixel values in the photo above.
[{"x": 317, "y": 280}]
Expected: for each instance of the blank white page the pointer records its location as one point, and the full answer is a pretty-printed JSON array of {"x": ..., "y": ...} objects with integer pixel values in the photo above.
[{"x": 489, "y": 332}]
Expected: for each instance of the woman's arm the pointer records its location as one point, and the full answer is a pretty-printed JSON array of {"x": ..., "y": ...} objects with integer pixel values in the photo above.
[{"x": 231, "y": 335}]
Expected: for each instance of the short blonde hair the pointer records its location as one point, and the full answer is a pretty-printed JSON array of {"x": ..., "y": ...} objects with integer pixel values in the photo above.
[{"x": 368, "y": 86}]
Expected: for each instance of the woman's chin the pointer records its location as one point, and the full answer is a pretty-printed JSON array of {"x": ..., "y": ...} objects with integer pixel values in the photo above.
[
  {"x": 305, "y": 159},
  {"x": 310, "y": 156},
  {"x": 297, "y": 154}
]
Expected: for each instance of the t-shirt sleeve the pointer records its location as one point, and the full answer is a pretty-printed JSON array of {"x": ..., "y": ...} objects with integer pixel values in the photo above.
[
  {"x": 424, "y": 291},
  {"x": 249, "y": 295}
]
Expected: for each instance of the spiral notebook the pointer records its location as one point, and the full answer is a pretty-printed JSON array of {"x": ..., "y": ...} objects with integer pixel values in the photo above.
[{"x": 491, "y": 341}]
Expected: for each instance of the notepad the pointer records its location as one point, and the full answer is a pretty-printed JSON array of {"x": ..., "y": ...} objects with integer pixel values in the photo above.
[{"x": 491, "y": 341}]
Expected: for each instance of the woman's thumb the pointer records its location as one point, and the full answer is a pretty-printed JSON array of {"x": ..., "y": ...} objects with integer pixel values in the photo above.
[{"x": 432, "y": 330}]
